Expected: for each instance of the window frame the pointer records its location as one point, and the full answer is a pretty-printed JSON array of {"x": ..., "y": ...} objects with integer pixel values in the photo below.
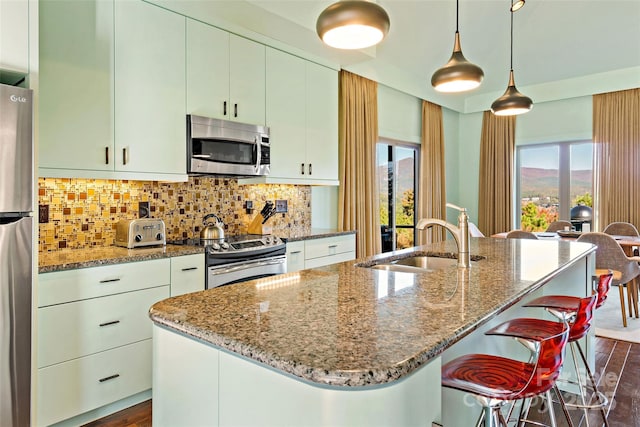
[
  {"x": 564, "y": 177},
  {"x": 392, "y": 145}
]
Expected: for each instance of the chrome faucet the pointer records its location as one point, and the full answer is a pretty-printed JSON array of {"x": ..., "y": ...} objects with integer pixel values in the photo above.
[{"x": 459, "y": 233}]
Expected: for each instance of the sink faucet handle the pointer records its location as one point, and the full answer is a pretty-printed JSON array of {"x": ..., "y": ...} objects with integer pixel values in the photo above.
[{"x": 451, "y": 205}]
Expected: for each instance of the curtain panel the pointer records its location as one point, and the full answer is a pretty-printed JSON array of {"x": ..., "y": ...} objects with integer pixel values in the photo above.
[
  {"x": 495, "y": 193},
  {"x": 616, "y": 137},
  {"x": 431, "y": 187},
  {"x": 358, "y": 202}
]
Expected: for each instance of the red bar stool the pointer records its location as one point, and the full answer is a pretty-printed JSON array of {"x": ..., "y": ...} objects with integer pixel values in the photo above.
[
  {"x": 495, "y": 380},
  {"x": 579, "y": 313}
]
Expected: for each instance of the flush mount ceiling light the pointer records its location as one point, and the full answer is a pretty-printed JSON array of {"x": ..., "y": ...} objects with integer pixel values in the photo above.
[
  {"x": 353, "y": 24},
  {"x": 512, "y": 102},
  {"x": 457, "y": 75}
]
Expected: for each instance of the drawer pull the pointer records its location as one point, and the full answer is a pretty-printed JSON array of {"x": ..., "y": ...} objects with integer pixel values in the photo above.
[
  {"x": 295, "y": 252},
  {"x": 113, "y": 322},
  {"x": 333, "y": 246},
  {"x": 189, "y": 268},
  {"x": 110, "y": 377},
  {"x": 109, "y": 280}
]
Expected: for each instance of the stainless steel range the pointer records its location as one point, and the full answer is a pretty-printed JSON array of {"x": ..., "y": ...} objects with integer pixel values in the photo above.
[{"x": 241, "y": 258}]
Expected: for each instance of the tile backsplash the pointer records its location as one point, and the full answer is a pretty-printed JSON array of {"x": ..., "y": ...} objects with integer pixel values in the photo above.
[{"x": 83, "y": 212}]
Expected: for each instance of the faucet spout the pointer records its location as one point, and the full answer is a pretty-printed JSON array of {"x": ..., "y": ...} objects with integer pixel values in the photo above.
[{"x": 460, "y": 234}]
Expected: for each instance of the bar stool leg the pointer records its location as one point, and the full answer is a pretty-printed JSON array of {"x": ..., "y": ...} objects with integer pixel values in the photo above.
[
  {"x": 601, "y": 398},
  {"x": 552, "y": 414},
  {"x": 563, "y": 405},
  {"x": 579, "y": 378}
]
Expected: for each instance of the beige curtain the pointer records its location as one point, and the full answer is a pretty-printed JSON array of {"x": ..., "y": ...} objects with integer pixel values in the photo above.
[
  {"x": 431, "y": 189},
  {"x": 358, "y": 195},
  {"x": 495, "y": 195},
  {"x": 616, "y": 137}
]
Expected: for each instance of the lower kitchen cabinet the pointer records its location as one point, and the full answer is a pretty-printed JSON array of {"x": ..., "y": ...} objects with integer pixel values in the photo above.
[
  {"x": 94, "y": 336},
  {"x": 319, "y": 252},
  {"x": 187, "y": 274}
]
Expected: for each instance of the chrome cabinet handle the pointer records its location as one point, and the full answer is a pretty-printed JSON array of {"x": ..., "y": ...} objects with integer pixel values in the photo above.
[
  {"x": 333, "y": 246},
  {"x": 113, "y": 322},
  {"x": 109, "y": 280},
  {"x": 189, "y": 268},
  {"x": 110, "y": 377},
  {"x": 302, "y": 168}
]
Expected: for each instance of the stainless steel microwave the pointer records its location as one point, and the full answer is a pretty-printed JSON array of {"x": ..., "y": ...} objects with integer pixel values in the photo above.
[{"x": 222, "y": 147}]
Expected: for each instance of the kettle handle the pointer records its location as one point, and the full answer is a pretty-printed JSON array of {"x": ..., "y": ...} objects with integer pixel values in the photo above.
[{"x": 204, "y": 220}]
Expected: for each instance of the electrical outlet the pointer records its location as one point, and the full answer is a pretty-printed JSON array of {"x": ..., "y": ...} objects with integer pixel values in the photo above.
[
  {"x": 143, "y": 210},
  {"x": 281, "y": 206},
  {"x": 43, "y": 214}
]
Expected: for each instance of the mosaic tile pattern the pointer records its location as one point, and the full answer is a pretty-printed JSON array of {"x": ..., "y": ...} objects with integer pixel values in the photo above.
[{"x": 83, "y": 212}]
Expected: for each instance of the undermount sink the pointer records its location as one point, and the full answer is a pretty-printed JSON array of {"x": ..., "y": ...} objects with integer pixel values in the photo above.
[{"x": 418, "y": 263}]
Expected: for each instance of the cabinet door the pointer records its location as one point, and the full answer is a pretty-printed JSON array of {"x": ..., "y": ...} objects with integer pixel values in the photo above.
[
  {"x": 286, "y": 113},
  {"x": 207, "y": 70},
  {"x": 76, "y": 85},
  {"x": 247, "y": 80},
  {"x": 322, "y": 122},
  {"x": 150, "y": 125},
  {"x": 14, "y": 35},
  {"x": 187, "y": 274}
]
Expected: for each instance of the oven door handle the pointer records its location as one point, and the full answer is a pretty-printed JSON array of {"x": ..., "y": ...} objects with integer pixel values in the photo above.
[{"x": 245, "y": 265}]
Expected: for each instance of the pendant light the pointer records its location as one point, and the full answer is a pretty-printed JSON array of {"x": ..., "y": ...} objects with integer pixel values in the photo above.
[
  {"x": 457, "y": 75},
  {"x": 517, "y": 5},
  {"x": 512, "y": 102},
  {"x": 353, "y": 24}
]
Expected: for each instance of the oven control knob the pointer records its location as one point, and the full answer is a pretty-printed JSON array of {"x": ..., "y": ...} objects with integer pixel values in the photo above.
[
  {"x": 224, "y": 245},
  {"x": 159, "y": 236},
  {"x": 267, "y": 240},
  {"x": 138, "y": 238},
  {"x": 215, "y": 246}
]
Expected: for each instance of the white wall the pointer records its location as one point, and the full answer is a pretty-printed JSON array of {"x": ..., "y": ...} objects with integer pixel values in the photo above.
[
  {"x": 399, "y": 115},
  {"x": 324, "y": 207}
]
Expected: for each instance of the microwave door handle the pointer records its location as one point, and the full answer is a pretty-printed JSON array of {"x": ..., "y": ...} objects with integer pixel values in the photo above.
[{"x": 258, "y": 153}]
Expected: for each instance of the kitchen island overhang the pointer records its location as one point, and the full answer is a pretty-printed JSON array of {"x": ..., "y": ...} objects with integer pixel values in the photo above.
[{"x": 346, "y": 328}]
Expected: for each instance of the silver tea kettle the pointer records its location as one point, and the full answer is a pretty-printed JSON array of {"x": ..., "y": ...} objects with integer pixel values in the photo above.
[{"x": 212, "y": 230}]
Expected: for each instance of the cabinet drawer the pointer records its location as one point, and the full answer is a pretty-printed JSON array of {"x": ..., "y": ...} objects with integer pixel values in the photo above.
[
  {"x": 295, "y": 256},
  {"x": 329, "y": 246},
  {"x": 331, "y": 259},
  {"x": 80, "y": 385},
  {"x": 187, "y": 274},
  {"x": 73, "y": 285},
  {"x": 69, "y": 331}
]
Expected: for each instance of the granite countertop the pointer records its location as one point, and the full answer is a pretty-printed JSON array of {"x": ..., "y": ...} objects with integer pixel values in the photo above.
[
  {"x": 68, "y": 259},
  {"x": 345, "y": 325},
  {"x": 313, "y": 233}
]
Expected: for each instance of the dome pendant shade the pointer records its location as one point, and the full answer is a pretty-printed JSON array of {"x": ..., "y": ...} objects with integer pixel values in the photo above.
[
  {"x": 512, "y": 102},
  {"x": 353, "y": 24},
  {"x": 457, "y": 75},
  {"x": 517, "y": 5}
]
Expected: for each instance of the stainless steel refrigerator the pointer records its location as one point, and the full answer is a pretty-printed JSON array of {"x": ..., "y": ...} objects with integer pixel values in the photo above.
[{"x": 16, "y": 264}]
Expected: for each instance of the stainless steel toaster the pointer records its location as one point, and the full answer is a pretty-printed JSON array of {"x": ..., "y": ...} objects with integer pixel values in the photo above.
[{"x": 135, "y": 233}]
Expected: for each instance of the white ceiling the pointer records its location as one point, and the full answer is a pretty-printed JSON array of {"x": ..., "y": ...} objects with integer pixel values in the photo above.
[{"x": 554, "y": 40}]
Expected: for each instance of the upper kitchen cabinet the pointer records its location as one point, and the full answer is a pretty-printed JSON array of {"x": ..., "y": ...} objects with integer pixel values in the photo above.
[
  {"x": 225, "y": 75},
  {"x": 302, "y": 115},
  {"x": 150, "y": 124},
  {"x": 112, "y": 91},
  {"x": 76, "y": 85},
  {"x": 14, "y": 36}
]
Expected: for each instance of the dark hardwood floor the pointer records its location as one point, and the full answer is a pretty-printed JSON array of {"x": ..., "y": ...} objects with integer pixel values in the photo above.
[{"x": 617, "y": 365}]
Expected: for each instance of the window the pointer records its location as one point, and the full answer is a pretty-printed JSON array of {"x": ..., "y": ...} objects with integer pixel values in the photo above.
[
  {"x": 550, "y": 180},
  {"x": 397, "y": 174}
]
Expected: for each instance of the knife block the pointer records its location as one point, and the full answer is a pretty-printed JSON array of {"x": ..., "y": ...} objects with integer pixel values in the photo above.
[{"x": 257, "y": 227}]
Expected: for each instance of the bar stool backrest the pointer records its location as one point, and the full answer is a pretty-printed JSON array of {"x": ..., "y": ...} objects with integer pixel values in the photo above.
[
  {"x": 582, "y": 322},
  {"x": 604, "y": 284}
]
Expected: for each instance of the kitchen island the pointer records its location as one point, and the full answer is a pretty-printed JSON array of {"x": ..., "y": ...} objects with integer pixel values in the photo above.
[{"x": 347, "y": 344}]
